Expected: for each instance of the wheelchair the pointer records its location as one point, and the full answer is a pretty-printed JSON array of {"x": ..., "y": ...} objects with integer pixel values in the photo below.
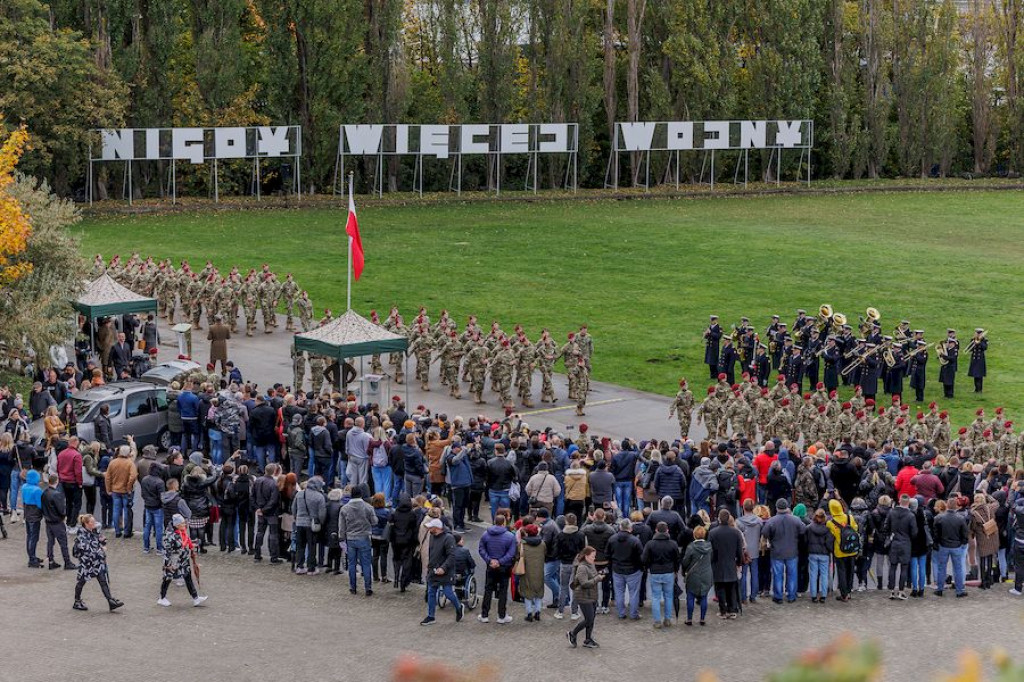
[{"x": 465, "y": 590}]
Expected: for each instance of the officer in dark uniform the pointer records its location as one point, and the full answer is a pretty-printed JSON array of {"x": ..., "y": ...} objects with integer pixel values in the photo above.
[
  {"x": 712, "y": 336},
  {"x": 844, "y": 344},
  {"x": 801, "y": 321},
  {"x": 859, "y": 350},
  {"x": 748, "y": 341},
  {"x": 780, "y": 351},
  {"x": 773, "y": 328},
  {"x": 947, "y": 372},
  {"x": 831, "y": 359},
  {"x": 793, "y": 368},
  {"x": 978, "y": 370},
  {"x": 761, "y": 367},
  {"x": 883, "y": 366},
  {"x": 869, "y": 373},
  {"x": 727, "y": 361},
  {"x": 897, "y": 372},
  {"x": 918, "y": 364},
  {"x": 812, "y": 365}
]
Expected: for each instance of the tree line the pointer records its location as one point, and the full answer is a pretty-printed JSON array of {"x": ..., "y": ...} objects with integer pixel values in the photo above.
[{"x": 895, "y": 87}]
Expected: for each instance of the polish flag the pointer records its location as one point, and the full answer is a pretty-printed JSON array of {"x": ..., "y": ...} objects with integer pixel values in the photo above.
[{"x": 356, "y": 244}]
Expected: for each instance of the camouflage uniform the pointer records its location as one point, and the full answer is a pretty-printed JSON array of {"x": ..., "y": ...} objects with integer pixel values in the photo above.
[
  {"x": 709, "y": 412},
  {"x": 940, "y": 436},
  {"x": 421, "y": 348},
  {"x": 305, "y": 312},
  {"x": 298, "y": 368},
  {"x": 375, "y": 366},
  {"x": 501, "y": 373},
  {"x": 275, "y": 296},
  {"x": 316, "y": 371},
  {"x": 581, "y": 379},
  {"x": 861, "y": 430},
  {"x": 524, "y": 372},
  {"x": 586, "y": 344},
  {"x": 209, "y": 296},
  {"x": 545, "y": 352},
  {"x": 476, "y": 365},
  {"x": 195, "y": 297},
  {"x": 395, "y": 360},
  {"x": 570, "y": 354},
  {"x": 1008, "y": 446},
  {"x": 236, "y": 299},
  {"x": 265, "y": 292},
  {"x": 250, "y": 299},
  {"x": 764, "y": 409},
  {"x": 451, "y": 368},
  {"x": 98, "y": 267},
  {"x": 682, "y": 408},
  {"x": 985, "y": 450}
]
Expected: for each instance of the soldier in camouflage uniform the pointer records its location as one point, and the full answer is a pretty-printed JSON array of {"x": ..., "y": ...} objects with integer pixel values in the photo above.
[
  {"x": 275, "y": 297},
  {"x": 976, "y": 431},
  {"x": 708, "y": 412},
  {"x": 940, "y": 435},
  {"x": 861, "y": 427},
  {"x": 525, "y": 357},
  {"x": 450, "y": 365},
  {"x": 250, "y": 301},
  {"x": 899, "y": 433},
  {"x": 298, "y": 368},
  {"x": 546, "y": 350},
  {"x": 985, "y": 450},
  {"x": 316, "y": 371},
  {"x": 208, "y": 294},
  {"x": 919, "y": 430},
  {"x": 997, "y": 421},
  {"x": 422, "y": 349},
  {"x": 375, "y": 366},
  {"x": 581, "y": 378},
  {"x": 501, "y": 373},
  {"x": 476, "y": 364},
  {"x": 1006, "y": 451},
  {"x": 305, "y": 311},
  {"x": 764, "y": 408},
  {"x": 396, "y": 360},
  {"x": 586, "y": 343},
  {"x": 738, "y": 413},
  {"x": 779, "y": 390},
  {"x": 781, "y": 424},
  {"x": 98, "y": 267},
  {"x": 195, "y": 298},
  {"x": 328, "y": 317},
  {"x": 265, "y": 294},
  {"x": 845, "y": 422},
  {"x": 237, "y": 292},
  {"x": 682, "y": 408}
]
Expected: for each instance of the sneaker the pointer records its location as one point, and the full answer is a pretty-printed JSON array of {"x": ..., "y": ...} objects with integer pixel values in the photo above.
[
  {"x": 199, "y": 600},
  {"x": 1015, "y": 592},
  {"x": 163, "y": 601},
  {"x": 937, "y": 593},
  {"x": 505, "y": 621},
  {"x": 962, "y": 594},
  {"x": 902, "y": 596},
  {"x": 428, "y": 621},
  {"x": 460, "y": 612},
  {"x": 300, "y": 571},
  {"x": 313, "y": 572},
  {"x": 591, "y": 644},
  {"x": 529, "y": 618},
  {"x": 71, "y": 567},
  {"x": 53, "y": 565},
  {"x": 79, "y": 605},
  {"x": 668, "y": 622},
  {"x": 575, "y": 616},
  {"x": 571, "y": 637},
  {"x": 861, "y": 587},
  {"x": 657, "y": 625},
  {"x": 536, "y": 617},
  {"x": 483, "y": 619},
  {"x": 559, "y": 615}
]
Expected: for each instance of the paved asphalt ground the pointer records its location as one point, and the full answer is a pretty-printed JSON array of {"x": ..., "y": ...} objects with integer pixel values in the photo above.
[{"x": 263, "y": 622}]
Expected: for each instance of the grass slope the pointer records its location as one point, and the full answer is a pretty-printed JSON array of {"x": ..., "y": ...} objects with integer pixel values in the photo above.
[{"x": 645, "y": 274}]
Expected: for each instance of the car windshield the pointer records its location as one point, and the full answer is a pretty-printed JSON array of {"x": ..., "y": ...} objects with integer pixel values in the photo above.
[{"x": 87, "y": 410}]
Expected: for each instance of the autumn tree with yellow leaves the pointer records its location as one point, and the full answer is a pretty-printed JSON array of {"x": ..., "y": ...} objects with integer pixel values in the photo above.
[{"x": 14, "y": 224}]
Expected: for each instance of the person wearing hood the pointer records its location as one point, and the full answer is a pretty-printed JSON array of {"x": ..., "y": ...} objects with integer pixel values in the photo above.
[
  {"x": 355, "y": 525},
  {"x": 597, "y": 534},
  {"x": 224, "y": 492},
  {"x": 90, "y": 550},
  {"x": 985, "y": 530},
  {"x": 844, "y": 560},
  {"x": 179, "y": 552},
  {"x": 862, "y": 518},
  {"x": 531, "y": 582},
  {"x": 920, "y": 547},
  {"x": 296, "y": 447},
  {"x": 323, "y": 449},
  {"x": 576, "y": 487},
  {"x": 660, "y": 557},
  {"x": 750, "y": 525},
  {"x": 697, "y": 570},
  {"x": 309, "y": 509},
  {"x": 32, "y": 504},
  {"x": 497, "y": 548},
  {"x": 332, "y": 542},
  {"x": 568, "y": 544},
  {"x": 1017, "y": 544},
  {"x": 703, "y": 483},
  {"x": 404, "y": 537},
  {"x": 196, "y": 493},
  {"x": 783, "y": 532},
  {"x": 378, "y": 537}
]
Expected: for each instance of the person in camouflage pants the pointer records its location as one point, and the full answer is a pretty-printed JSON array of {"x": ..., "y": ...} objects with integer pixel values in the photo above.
[
  {"x": 265, "y": 292},
  {"x": 317, "y": 365},
  {"x": 422, "y": 349},
  {"x": 501, "y": 373},
  {"x": 546, "y": 352},
  {"x": 525, "y": 357},
  {"x": 476, "y": 364},
  {"x": 581, "y": 379},
  {"x": 682, "y": 408}
]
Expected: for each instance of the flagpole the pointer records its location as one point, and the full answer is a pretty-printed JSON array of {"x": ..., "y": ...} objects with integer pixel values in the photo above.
[{"x": 351, "y": 175}]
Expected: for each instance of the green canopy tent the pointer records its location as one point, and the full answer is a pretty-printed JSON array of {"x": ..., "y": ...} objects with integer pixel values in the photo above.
[
  {"x": 104, "y": 297},
  {"x": 349, "y": 336}
]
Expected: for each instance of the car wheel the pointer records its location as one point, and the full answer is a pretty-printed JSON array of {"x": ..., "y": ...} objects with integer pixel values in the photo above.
[{"x": 164, "y": 439}]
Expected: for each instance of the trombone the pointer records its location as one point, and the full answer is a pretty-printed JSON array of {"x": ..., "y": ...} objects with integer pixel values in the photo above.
[
  {"x": 975, "y": 340},
  {"x": 860, "y": 360}
]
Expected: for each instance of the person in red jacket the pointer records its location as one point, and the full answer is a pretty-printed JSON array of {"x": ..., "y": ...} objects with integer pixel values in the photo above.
[
  {"x": 763, "y": 462},
  {"x": 69, "y": 470},
  {"x": 904, "y": 481}
]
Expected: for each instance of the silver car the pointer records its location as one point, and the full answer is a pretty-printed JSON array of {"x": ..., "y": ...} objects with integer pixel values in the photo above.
[{"x": 136, "y": 407}]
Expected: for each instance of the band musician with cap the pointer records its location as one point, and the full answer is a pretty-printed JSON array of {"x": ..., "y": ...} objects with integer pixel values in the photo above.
[
  {"x": 978, "y": 369},
  {"x": 712, "y": 336},
  {"x": 947, "y": 369}
]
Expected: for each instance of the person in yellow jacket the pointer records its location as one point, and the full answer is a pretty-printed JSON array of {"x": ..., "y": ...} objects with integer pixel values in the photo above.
[{"x": 844, "y": 560}]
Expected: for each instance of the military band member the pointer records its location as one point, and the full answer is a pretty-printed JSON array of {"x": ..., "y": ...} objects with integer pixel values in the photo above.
[
  {"x": 799, "y": 324},
  {"x": 727, "y": 361},
  {"x": 761, "y": 367},
  {"x": 712, "y": 336},
  {"x": 769, "y": 335},
  {"x": 978, "y": 368},
  {"x": 869, "y": 372},
  {"x": 812, "y": 363},
  {"x": 779, "y": 352},
  {"x": 947, "y": 371},
  {"x": 830, "y": 357},
  {"x": 793, "y": 368},
  {"x": 916, "y": 367},
  {"x": 896, "y": 372}
]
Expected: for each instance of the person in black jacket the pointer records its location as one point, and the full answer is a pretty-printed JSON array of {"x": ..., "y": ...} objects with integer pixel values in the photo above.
[
  {"x": 153, "y": 487},
  {"x": 900, "y": 528},
  {"x": 102, "y": 428},
  {"x": 224, "y": 491},
  {"x": 568, "y": 544},
  {"x": 478, "y": 467},
  {"x": 624, "y": 552},
  {"x": 266, "y": 500},
  {"x": 951, "y": 536},
  {"x": 670, "y": 517},
  {"x": 262, "y": 421},
  {"x": 404, "y": 538},
  {"x": 196, "y": 493},
  {"x": 661, "y": 559},
  {"x": 242, "y": 489},
  {"x": 54, "y": 511},
  {"x": 726, "y": 555}
]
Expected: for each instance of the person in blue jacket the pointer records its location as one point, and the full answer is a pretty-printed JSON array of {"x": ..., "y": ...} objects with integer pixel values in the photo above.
[{"x": 32, "y": 501}]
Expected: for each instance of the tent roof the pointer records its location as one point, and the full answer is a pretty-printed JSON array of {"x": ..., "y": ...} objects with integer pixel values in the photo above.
[
  {"x": 103, "y": 296},
  {"x": 350, "y": 335}
]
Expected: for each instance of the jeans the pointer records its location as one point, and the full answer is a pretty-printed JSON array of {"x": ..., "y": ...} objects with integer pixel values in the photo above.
[
  {"x": 749, "y": 582},
  {"x": 495, "y": 584},
  {"x": 15, "y": 487},
  {"x": 662, "y": 587},
  {"x": 216, "y": 450},
  {"x": 413, "y": 485},
  {"x": 533, "y": 605},
  {"x": 943, "y": 556},
  {"x": 360, "y": 552},
  {"x": 189, "y": 435},
  {"x": 153, "y": 520},
  {"x": 57, "y": 532},
  {"x": 918, "y": 572},
  {"x": 551, "y": 569},
  {"x": 32, "y": 540},
  {"x": 627, "y": 583},
  {"x": 264, "y": 454},
  {"x": 818, "y": 566},
  {"x": 123, "y": 513},
  {"x": 460, "y": 496},
  {"x": 623, "y": 496},
  {"x": 691, "y": 600},
  {"x": 499, "y": 500},
  {"x": 789, "y": 567},
  {"x": 382, "y": 482},
  {"x": 432, "y": 589},
  {"x": 564, "y": 593}
]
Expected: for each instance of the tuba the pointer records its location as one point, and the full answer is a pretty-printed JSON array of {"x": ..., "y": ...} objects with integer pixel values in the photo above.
[
  {"x": 839, "y": 319},
  {"x": 940, "y": 351},
  {"x": 873, "y": 314}
]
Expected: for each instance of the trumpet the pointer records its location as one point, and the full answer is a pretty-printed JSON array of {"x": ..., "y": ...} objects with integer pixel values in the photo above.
[
  {"x": 975, "y": 340},
  {"x": 912, "y": 354}
]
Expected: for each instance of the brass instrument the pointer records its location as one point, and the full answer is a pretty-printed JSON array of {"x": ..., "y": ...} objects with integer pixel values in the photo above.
[
  {"x": 851, "y": 353},
  {"x": 940, "y": 351},
  {"x": 825, "y": 311},
  {"x": 839, "y": 319},
  {"x": 861, "y": 360},
  {"x": 899, "y": 334},
  {"x": 975, "y": 340},
  {"x": 873, "y": 314},
  {"x": 887, "y": 355},
  {"x": 912, "y": 354}
]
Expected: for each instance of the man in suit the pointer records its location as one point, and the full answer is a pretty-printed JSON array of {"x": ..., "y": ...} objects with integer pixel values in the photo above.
[
  {"x": 120, "y": 355},
  {"x": 218, "y": 337}
]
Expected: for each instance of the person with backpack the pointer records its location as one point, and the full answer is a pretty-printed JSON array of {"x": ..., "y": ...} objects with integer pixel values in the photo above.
[
  {"x": 458, "y": 475},
  {"x": 846, "y": 546},
  {"x": 380, "y": 464}
]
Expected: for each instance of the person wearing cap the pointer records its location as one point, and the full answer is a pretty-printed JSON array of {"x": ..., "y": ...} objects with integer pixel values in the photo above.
[
  {"x": 727, "y": 360},
  {"x": 441, "y": 557},
  {"x": 916, "y": 369},
  {"x": 978, "y": 369},
  {"x": 712, "y": 337},
  {"x": 947, "y": 372},
  {"x": 458, "y": 476},
  {"x": 179, "y": 553},
  {"x": 793, "y": 367},
  {"x": 783, "y": 532}
]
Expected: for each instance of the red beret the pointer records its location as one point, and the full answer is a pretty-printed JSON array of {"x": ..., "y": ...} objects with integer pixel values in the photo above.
[
  {"x": 832, "y": 393},
  {"x": 860, "y": 414},
  {"x": 943, "y": 414},
  {"x": 881, "y": 409},
  {"x": 820, "y": 385},
  {"x": 583, "y": 428},
  {"x": 979, "y": 411},
  {"x": 746, "y": 375},
  {"x": 209, "y": 366},
  {"x": 735, "y": 387},
  {"x": 807, "y": 396},
  {"x": 895, "y": 397},
  {"x": 782, "y": 377},
  {"x": 904, "y": 408},
  {"x": 1008, "y": 425},
  {"x": 682, "y": 382},
  {"x": 986, "y": 433},
  {"x": 920, "y": 415},
  {"x": 764, "y": 391},
  {"x": 785, "y": 401},
  {"x": 821, "y": 409},
  {"x": 870, "y": 402},
  {"x": 721, "y": 376},
  {"x": 999, "y": 410},
  {"x": 847, "y": 405},
  {"x": 901, "y": 420},
  {"x": 963, "y": 430},
  {"x": 152, "y": 351},
  {"x": 932, "y": 405},
  {"x": 711, "y": 389}
]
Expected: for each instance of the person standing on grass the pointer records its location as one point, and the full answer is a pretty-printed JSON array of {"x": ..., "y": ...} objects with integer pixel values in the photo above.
[{"x": 90, "y": 550}]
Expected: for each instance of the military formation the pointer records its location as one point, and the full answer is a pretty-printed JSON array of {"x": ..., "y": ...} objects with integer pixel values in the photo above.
[
  {"x": 825, "y": 347},
  {"x": 208, "y": 293},
  {"x": 474, "y": 354}
]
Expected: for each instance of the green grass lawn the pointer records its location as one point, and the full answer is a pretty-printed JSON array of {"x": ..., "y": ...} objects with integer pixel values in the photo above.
[{"x": 646, "y": 274}]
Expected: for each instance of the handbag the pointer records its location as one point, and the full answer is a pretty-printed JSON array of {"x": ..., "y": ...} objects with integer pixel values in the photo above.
[
  {"x": 514, "y": 492},
  {"x": 214, "y": 514},
  {"x": 314, "y": 524},
  {"x": 533, "y": 498},
  {"x": 990, "y": 527},
  {"x": 520, "y": 567}
]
